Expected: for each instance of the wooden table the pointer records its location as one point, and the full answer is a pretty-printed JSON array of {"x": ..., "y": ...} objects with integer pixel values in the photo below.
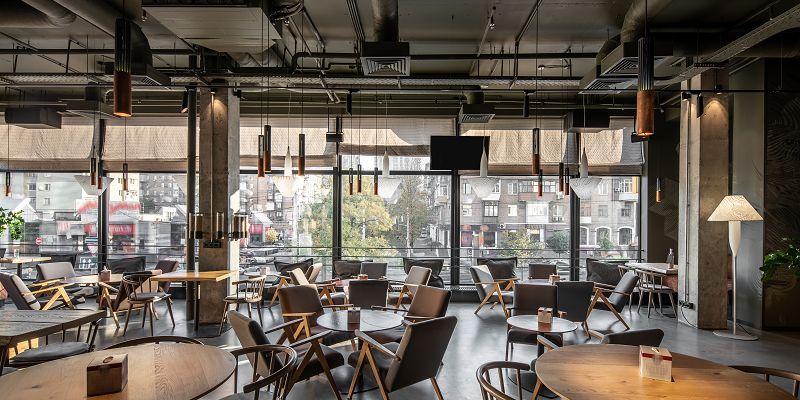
[
  {"x": 604, "y": 371},
  {"x": 23, "y": 260},
  {"x": 369, "y": 321},
  {"x": 668, "y": 275},
  {"x": 93, "y": 279},
  {"x": 19, "y": 325},
  {"x": 195, "y": 278},
  {"x": 155, "y": 371},
  {"x": 531, "y": 322}
]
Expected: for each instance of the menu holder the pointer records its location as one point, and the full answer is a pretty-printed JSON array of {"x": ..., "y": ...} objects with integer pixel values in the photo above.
[
  {"x": 106, "y": 375},
  {"x": 545, "y": 317},
  {"x": 554, "y": 278},
  {"x": 354, "y": 316},
  {"x": 655, "y": 363},
  {"x": 105, "y": 275}
]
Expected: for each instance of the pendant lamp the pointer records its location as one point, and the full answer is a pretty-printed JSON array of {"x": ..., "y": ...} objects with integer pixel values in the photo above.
[
  {"x": 483, "y": 186},
  {"x": 123, "y": 52},
  {"x": 585, "y": 185},
  {"x": 659, "y": 195},
  {"x": 536, "y": 158},
  {"x": 541, "y": 183},
  {"x": 388, "y": 185},
  {"x": 287, "y": 184}
]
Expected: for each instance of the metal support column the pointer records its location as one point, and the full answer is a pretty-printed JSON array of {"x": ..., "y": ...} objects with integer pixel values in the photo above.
[
  {"x": 455, "y": 221},
  {"x": 337, "y": 209},
  {"x": 191, "y": 183},
  {"x": 574, "y": 227},
  {"x": 102, "y": 201}
]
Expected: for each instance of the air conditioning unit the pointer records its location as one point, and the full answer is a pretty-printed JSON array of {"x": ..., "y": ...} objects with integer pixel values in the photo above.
[
  {"x": 33, "y": 117},
  {"x": 475, "y": 113},
  {"x": 386, "y": 58}
]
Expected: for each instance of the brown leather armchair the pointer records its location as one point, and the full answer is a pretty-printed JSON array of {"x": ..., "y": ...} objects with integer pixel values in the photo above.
[
  {"x": 527, "y": 300},
  {"x": 429, "y": 303},
  {"x": 303, "y": 303},
  {"x": 417, "y": 276},
  {"x": 366, "y": 293}
]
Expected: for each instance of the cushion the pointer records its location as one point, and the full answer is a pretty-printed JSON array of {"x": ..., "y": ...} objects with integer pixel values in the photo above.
[
  {"x": 26, "y": 293},
  {"x": 56, "y": 270},
  {"x": 51, "y": 352},
  {"x": 602, "y": 272},
  {"x": 435, "y": 265},
  {"x": 283, "y": 268},
  {"x": 389, "y": 335},
  {"x": 383, "y": 361},
  {"x": 347, "y": 269},
  {"x": 500, "y": 268}
]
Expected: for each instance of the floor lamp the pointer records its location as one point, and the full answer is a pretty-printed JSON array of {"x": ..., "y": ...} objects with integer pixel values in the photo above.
[{"x": 734, "y": 209}]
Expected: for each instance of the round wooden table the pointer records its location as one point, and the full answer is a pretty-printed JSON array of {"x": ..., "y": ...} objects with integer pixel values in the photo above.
[
  {"x": 155, "y": 371},
  {"x": 531, "y": 323},
  {"x": 605, "y": 371},
  {"x": 369, "y": 321}
]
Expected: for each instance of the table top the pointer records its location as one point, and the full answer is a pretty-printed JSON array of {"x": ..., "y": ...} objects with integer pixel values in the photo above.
[
  {"x": 155, "y": 371},
  {"x": 531, "y": 323},
  {"x": 194, "y": 276},
  {"x": 369, "y": 321},
  {"x": 23, "y": 260},
  {"x": 92, "y": 279},
  {"x": 604, "y": 371},
  {"x": 18, "y": 325},
  {"x": 534, "y": 281},
  {"x": 661, "y": 268}
]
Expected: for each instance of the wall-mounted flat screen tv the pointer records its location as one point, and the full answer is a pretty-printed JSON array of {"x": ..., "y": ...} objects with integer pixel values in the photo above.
[{"x": 455, "y": 153}]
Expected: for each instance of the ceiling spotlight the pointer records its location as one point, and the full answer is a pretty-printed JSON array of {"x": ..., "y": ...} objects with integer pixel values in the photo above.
[
  {"x": 238, "y": 93},
  {"x": 541, "y": 67},
  {"x": 686, "y": 96},
  {"x": 491, "y": 22},
  {"x": 701, "y": 105},
  {"x": 718, "y": 89}
]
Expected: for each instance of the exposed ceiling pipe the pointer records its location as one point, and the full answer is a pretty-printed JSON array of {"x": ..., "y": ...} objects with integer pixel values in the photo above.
[
  {"x": 98, "y": 13},
  {"x": 385, "y": 20},
  {"x": 34, "y": 14},
  {"x": 634, "y": 22}
]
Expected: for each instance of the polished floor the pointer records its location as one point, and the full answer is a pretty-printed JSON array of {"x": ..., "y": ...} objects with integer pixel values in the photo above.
[{"x": 480, "y": 338}]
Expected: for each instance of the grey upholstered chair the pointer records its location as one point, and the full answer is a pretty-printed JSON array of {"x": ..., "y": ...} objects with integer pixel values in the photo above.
[
  {"x": 316, "y": 357},
  {"x": 45, "y": 295},
  {"x": 374, "y": 270},
  {"x": 500, "y": 267},
  {"x": 434, "y": 264},
  {"x": 527, "y": 300},
  {"x": 166, "y": 266},
  {"x": 302, "y": 303},
  {"x": 541, "y": 271},
  {"x": 60, "y": 270},
  {"x": 327, "y": 289},
  {"x": 574, "y": 298},
  {"x": 616, "y": 300},
  {"x": 417, "y": 276},
  {"x": 416, "y": 358},
  {"x": 491, "y": 290},
  {"x": 367, "y": 293},
  {"x": 641, "y": 337},
  {"x": 429, "y": 303},
  {"x": 127, "y": 264}
]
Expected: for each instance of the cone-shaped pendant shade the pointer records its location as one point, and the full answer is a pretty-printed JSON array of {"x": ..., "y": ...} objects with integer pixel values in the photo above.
[
  {"x": 483, "y": 186},
  {"x": 287, "y": 184},
  {"x": 387, "y": 185},
  {"x": 93, "y": 189},
  {"x": 585, "y": 185}
]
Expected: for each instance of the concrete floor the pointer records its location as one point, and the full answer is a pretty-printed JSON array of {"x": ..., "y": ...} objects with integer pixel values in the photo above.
[{"x": 481, "y": 338}]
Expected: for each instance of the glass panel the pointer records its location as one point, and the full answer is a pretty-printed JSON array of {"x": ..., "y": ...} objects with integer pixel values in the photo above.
[
  {"x": 287, "y": 228},
  {"x": 609, "y": 221},
  {"x": 515, "y": 222},
  {"x": 414, "y": 221}
]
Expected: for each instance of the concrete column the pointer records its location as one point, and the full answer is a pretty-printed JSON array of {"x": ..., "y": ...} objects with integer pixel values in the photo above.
[
  {"x": 703, "y": 245},
  {"x": 219, "y": 191}
]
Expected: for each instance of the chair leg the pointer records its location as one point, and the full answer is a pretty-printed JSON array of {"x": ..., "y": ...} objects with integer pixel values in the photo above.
[
  {"x": 357, "y": 372},
  {"x": 326, "y": 368},
  {"x": 249, "y": 311},
  {"x": 672, "y": 301},
  {"x": 127, "y": 318},
  {"x": 436, "y": 388},
  {"x": 144, "y": 314},
  {"x": 507, "y": 343},
  {"x": 151, "y": 321},
  {"x": 224, "y": 318},
  {"x": 115, "y": 318},
  {"x": 377, "y": 375},
  {"x": 641, "y": 296},
  {"x": 649, "y": 303},
  {"x": 153, "y": 310},
  {"x": 169, "y": 308},
  {"x": 536, "y": 389},
  {"x": 258, "y": 308}
]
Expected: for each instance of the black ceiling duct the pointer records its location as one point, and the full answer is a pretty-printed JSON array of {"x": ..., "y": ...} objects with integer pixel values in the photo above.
[{"x": 33, "y": 118}]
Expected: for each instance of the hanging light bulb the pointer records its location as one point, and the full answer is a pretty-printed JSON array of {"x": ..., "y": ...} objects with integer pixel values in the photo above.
[
  {"x": 301, "y": 161},
  {"x": 536, "y": 158},
  {"x": 658, "y": 190}
]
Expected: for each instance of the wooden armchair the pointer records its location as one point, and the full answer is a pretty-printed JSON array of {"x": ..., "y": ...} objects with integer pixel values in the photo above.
[
  {"x": 249, "y": 291},
  {"x": 618, "y": 296},
  {"x": 47, "y": 295},
  {"x": 405, "y": 291},
  {"x": 326, "y": 289},
  {"x": 492, "y": 290},
  {"x": 303, "y": 303}
]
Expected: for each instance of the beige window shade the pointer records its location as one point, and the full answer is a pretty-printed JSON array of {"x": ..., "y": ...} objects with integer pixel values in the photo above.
[{"x": 71, "y": 142}]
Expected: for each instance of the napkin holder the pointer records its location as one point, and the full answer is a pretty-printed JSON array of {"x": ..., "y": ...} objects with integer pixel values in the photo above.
[
  {"x": 554, "y": 278},
  {"x": 545, "y": 315},
  {"x": 655, "y": 363},
  {"x": 363, "y": 277},
  {"x": 105, "y": 275},
  {"x": 106, "y": 375},
  {"x": 354, "y": 316}
]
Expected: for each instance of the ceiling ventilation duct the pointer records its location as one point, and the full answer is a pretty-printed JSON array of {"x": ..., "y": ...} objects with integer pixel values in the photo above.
[
  {"x": 387, "y": 55},
  {"x": 33, "y": 117},
  {"x": 92, "y": 105},
  {"x": 588, "y": 120},
  {"x": 475, "y": 111},
  {"x": 142, "y": 70}
]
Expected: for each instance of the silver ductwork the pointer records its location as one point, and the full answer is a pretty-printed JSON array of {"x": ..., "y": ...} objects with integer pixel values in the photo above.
[
  {"x": 386, "y": 56},
  {"x": 475, "y": 111},
  {"x": 100, "y": 13},
  {"x": 385, "y": 20},
  {"x": 34, "y": 14}
]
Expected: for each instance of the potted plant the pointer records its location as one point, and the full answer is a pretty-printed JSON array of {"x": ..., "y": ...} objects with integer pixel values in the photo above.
[
  {"x": 13, "y": 222},
  {"x": 782, "y": 261}
]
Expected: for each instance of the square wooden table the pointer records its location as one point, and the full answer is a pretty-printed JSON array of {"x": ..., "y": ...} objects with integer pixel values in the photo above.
[
  {"x": 195, "y": 278},
  {"x": 23, "y": 260}
]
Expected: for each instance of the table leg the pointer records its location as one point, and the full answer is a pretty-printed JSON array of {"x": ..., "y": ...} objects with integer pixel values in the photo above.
[
  {"x": 3, "y": 355},
  {"x": 196, "y": 306}
]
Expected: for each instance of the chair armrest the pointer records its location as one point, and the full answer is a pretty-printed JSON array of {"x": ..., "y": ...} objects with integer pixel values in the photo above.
[
  {"x": 342, "y": 306},
  {"x": 487, "y": 283},
  {"x": 603, "y": 285},
  {"x": 283, "y": 325},
  {"x": 109, "y": 287},
  {"x": 298, "y": 314},
  {"x": 389, "y": 309},
  {"x": 45, "y": 282},
  {"x": 47, "y": 289},
  {"x": 374, "y": 344},
  {"x": 318, "y": 336},
  {"x": 417, "y": 318},
  {"x": 546, "y": 343}
]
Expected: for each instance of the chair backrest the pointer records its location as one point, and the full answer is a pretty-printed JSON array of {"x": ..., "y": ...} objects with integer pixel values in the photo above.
[
  {"x": 528, "y": 297},
  {"x": 641, "y": 337},
  {"x": 418, "y": 276},
  {"x": 602, "y": 271},
  {"x": 500, "y": 267},
  {"x": 541, "y": 271},
  {"x": 769, "y": 372},
  {"x": 429, "y": 302},
  {"x": 374, "y": 270},
  {"x": 137, "y": 283},
  {"x": 623, "y": 290},
  {"x": 489, "y": 390},
  {"x": 346, "y": 269},
  {"x": 166, "y": 266},
  {"x": 300, "y": 299},
  {"x": 154, "y": 339},
  {"x": 434, "y": 264},
  {"x": 55, "y": 270},
  {"x": 574, "y": 298},
  {"x": 19, "y": 292},
  {"x": 368, "y": 292},
  {"x": 298, "y": 277},
  {"x": 253, "y": 288},
  {"x": 313, "y": 273},
  {"x": 283, "y": 268},
  {"x": 480, "y": 273},
  {"x": 250, "y": 334},
  {"x": 421, "y": 352},
  {"x": 129, "y": 264}
]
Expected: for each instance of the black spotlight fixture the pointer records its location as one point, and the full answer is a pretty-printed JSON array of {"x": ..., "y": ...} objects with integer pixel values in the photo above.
[
  {"x": 526, "y": 106},
  {"x": 701, "y": 104},
  {"x": 686, "y": 96},
  {"x": 349, "y": 103}
]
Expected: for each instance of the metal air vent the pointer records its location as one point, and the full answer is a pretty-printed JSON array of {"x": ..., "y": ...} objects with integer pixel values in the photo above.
[
  {"x": 475, "y": 113},
  {"x": 385, "y": 58}
]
